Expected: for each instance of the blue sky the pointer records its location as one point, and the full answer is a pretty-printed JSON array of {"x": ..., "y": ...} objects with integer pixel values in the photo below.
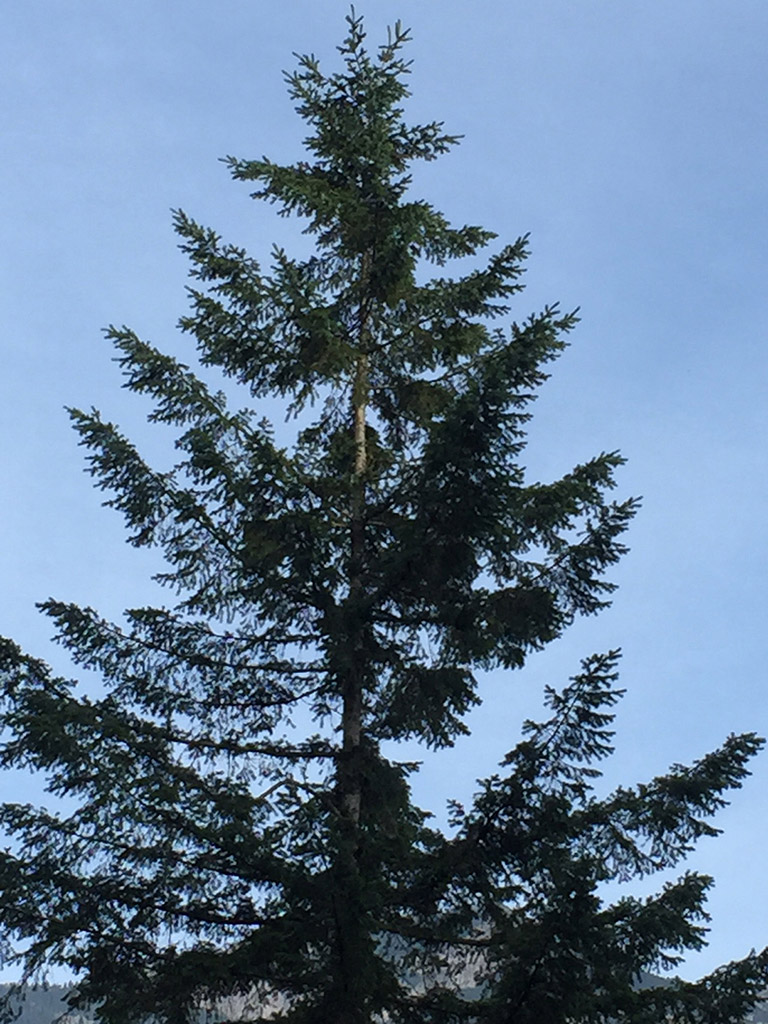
[{"x": 629, "y": 139}]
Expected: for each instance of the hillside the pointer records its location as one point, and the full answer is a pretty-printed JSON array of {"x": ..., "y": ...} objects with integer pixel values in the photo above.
[{"x": 47, "y": 1005}]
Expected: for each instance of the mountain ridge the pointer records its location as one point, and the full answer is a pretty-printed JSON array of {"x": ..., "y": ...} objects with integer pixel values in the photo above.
[{"x": 46, "y": 1004}]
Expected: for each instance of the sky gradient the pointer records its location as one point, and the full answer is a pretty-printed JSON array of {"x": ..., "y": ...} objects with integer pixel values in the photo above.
[{"x": 630, "y": 141}]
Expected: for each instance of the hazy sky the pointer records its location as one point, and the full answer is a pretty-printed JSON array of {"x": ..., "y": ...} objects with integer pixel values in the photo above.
[{"x": 629, "y": 139}]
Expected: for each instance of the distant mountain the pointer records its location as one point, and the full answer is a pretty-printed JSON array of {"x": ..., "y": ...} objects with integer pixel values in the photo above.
[
  {"x": 47, "y": 1005},
  {"x": 44, "y": 1005}
]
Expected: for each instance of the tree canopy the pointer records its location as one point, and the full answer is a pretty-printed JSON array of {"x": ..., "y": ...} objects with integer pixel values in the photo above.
[{"x": 235, "y": 821}]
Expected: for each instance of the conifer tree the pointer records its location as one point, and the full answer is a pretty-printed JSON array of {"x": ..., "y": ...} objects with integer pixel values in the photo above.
[{"x": 356, "y": 582}]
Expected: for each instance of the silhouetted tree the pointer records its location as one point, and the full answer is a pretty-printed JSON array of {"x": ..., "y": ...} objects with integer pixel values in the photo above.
[{"x": 363, "y": 575}]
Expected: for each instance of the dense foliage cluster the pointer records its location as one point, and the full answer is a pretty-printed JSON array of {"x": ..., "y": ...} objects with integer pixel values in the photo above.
[{"x": 353, "y": 583}]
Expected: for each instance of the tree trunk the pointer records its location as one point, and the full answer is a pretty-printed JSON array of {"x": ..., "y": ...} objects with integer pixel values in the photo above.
[
  {"x": 352, "y": 714},
  {"x": 352, "y": 930}
]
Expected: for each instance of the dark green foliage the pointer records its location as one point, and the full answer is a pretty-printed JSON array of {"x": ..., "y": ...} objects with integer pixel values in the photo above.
[{"x": 355, "y": 583}]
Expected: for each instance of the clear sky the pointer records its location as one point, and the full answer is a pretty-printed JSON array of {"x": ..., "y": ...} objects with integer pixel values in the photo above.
[{"x": 628, "y": 138}]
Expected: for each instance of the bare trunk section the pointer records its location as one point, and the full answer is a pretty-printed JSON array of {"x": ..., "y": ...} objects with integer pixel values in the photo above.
[
  {"x": 352, "y": 714},
  {"x": 349, "y": 994}
]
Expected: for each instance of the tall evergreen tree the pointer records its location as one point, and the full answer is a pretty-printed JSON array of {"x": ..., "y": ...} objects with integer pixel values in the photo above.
[{"x": 357, "y": 582}]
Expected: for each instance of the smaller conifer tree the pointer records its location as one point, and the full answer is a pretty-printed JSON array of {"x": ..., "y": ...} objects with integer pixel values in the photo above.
[{"x": 363, "y": 576}]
